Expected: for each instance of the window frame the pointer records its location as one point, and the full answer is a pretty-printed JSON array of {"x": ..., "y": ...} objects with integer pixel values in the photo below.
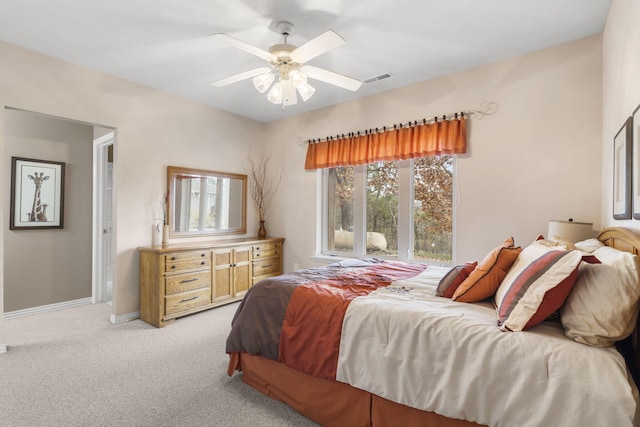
[{"x": 405, "y": 215}]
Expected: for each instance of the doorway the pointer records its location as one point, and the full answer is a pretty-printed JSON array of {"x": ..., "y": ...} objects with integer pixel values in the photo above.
[{"x": 28, "y": 290}]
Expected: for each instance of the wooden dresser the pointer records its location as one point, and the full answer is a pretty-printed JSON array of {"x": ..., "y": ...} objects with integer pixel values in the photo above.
[{"x": 181, "y": 279}]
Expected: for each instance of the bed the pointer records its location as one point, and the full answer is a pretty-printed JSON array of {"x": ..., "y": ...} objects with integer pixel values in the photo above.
[{"x": 368, "y": 342}]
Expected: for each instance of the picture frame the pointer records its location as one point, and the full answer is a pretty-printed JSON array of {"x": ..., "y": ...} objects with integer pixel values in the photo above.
[
  {"x": 635, "y": 135},
  {"x": 37, "y": 194},
  {"x": 622, "y": 157}
]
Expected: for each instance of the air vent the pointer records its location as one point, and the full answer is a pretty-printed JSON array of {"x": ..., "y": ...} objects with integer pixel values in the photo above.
[{"x": 378, "y": 78}]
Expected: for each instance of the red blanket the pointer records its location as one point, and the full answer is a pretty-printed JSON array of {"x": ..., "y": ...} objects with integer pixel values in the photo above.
[{"x": 301, "y": 313}]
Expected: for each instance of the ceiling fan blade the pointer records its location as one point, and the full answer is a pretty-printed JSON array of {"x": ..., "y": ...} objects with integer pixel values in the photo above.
[
  {"x": 260, "y": 53},
  {"x": 241, "y": 76},
  {"x": 317, "y": 46},
  {"x": 330, "y": 77}
]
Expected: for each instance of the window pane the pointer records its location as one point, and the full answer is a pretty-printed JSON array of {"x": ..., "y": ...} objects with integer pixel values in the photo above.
[
  {"x": 340, "y": 209},
  {"x": 433, "y": 208},
  {"x": 382, "y": 208}
]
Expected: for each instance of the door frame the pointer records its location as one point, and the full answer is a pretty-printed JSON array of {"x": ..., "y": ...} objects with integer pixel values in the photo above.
[{"x": 98, "y": 256}]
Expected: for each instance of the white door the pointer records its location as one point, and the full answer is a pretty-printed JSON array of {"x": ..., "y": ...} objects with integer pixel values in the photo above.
[
  {"x": 107, "y": 231},
  {"x": 103, "y": 218}
]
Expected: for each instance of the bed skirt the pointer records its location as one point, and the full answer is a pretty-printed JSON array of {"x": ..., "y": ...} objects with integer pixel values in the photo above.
[{"x": 330, "y": 403}]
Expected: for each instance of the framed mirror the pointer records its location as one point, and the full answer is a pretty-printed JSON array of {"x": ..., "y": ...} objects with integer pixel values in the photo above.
[{"x": 203, "y": 202}]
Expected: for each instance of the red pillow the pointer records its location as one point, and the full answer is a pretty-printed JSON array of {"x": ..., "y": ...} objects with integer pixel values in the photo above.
[{"x": 450, "y": 282}]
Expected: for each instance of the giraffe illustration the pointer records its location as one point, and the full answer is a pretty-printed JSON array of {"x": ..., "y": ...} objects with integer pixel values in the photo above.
[{"x": 38, "y": 210}]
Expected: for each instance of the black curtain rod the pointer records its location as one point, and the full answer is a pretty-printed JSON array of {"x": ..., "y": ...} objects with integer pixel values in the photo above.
[{"x": 488, "y": 109}]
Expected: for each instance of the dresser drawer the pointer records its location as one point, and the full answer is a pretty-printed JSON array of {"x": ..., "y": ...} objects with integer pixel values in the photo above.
[
  {"x": 266, "y": 246},
  {"x": 187, "y": 260},
  {"x": 187, "y": 282},
  {"x": 268, "y": 266},
  {"x": 267, "y": 250},
  {"x": 187, "y": 300}
]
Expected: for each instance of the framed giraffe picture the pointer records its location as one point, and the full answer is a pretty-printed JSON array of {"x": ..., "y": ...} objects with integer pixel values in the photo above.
[{"x": 37, "y": 194}]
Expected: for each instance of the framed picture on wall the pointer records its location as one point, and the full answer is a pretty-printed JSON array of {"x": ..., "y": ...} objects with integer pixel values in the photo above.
[
  {"x": 635, "y": 136},
  {"x": 37, "y": 194},
  {"x": 622, "y": 152}
]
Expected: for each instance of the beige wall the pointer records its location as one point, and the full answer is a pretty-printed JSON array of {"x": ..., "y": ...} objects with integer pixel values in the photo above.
[
  {"x": 621, "y": 90},
  {"x": 49, "y": 266},
  {"x": 537, "y": 158},
  {"x": 153, "y": 130}
]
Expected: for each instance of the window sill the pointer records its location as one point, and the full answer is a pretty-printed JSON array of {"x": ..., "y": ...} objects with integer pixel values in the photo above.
[{"x": 328, "y": 259}]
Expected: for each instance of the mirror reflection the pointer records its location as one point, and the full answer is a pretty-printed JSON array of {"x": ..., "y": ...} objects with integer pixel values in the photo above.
[{"x": 206, "y": 202}]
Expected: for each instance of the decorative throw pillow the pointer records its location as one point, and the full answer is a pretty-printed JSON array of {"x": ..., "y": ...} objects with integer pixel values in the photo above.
[
  {"x": 450, "y": 282},
  {"x": 537, "y": 287},
  {"x": 532, "y": 252},
  {"x": 486, "y": 277},
  {"x": 603, "y": 306}
]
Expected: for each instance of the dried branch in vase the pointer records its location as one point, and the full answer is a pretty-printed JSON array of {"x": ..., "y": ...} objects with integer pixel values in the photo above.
[{"x": 262, "y": 186}]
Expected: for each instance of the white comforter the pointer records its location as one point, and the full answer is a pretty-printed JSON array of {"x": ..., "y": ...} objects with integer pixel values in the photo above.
[{"x": 407, "y": 345}]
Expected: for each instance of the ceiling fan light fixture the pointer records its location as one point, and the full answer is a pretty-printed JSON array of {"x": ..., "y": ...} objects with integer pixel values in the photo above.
[
  {"x": 306, "y": 91},
  {"x": 299, "y": 81},
  {"x": 263, "y": 81},
  {"x": 297, "y": 78},
  {"x": 289, "y": 96},
  {"x": 275, "y": 94}
]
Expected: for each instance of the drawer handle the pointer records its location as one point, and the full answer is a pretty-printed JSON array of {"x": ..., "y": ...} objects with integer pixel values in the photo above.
[
  {"x": 257, "y": 248},
  {"x": 189, "y": 299},
  {"x": 189, "y": 280},
  {"x": 173, "y": 258},
  {"x": 266, "y": 266},
  {"x": 202, "y": 263},
  {"x": 173, "y": 266},
  {"x": 203, "y": 255},
  {"x": 257, "y": 255}
]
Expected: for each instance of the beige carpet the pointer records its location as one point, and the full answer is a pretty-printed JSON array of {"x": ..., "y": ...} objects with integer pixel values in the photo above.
[{"x": 72, "y": 367}]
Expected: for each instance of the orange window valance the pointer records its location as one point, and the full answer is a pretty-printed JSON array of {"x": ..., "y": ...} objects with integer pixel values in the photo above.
[{"x": 421, "y": 140}]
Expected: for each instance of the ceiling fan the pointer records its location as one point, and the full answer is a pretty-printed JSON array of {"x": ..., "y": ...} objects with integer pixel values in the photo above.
[{"x": 288, "y": 68}]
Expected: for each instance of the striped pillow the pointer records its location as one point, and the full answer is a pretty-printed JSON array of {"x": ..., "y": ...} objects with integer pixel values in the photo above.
[
  {"x": 450, "y": 282},
  {"x": 531, "y": 294}
]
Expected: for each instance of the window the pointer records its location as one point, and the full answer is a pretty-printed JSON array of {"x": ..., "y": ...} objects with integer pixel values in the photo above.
[{"x": 400, "y": 209}]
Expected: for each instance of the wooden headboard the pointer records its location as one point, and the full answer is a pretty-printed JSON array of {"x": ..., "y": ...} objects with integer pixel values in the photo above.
[
  {"x": 623, "y": 239},
  {"x": 626, "y": 240}
]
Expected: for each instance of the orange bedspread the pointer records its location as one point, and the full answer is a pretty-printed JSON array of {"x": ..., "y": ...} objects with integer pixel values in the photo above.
[{"x": 297, "y": 318}]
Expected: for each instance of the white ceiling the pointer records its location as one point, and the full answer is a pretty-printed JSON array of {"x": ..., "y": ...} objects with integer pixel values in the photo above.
[{"x": 165, "y": 44}]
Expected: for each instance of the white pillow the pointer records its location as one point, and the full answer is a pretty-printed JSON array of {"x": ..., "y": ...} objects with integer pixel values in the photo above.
[
  {"x": 603, "y": 305},
  {"x": 589, "y": 245}
]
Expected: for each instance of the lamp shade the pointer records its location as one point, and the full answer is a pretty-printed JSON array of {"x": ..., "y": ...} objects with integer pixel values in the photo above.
[
  {"x": 275, "y": 94},
  {"x": 570, "y": 231},
  {"x": 263, "y": 81}
]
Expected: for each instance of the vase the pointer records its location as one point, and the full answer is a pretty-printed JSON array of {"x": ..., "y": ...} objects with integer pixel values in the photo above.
[
  {"x": 165, "y": 234},
  {"x": 156, "y": 234},
  {"x": 262, "y": 232}
]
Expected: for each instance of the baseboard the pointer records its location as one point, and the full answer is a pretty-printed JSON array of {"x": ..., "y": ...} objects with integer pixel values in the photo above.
[
  {"x": 124, "y": 317},
  {"x": 44, "y": 308}
]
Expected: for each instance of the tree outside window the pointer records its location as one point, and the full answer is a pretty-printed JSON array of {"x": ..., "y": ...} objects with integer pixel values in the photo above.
[{"x": 430, "y": 213}]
